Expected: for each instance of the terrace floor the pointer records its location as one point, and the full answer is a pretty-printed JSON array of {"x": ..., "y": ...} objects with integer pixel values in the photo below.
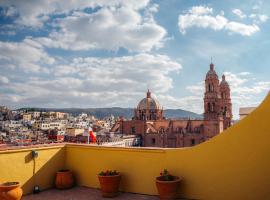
[{"x": 83, "y": 193}]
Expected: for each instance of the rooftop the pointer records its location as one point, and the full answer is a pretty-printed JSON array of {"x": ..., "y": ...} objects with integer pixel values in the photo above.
[{"x": 83, "y": 193}]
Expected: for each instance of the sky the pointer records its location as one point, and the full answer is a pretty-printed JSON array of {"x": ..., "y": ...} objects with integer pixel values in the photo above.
[{"x": 100, "y": 53}]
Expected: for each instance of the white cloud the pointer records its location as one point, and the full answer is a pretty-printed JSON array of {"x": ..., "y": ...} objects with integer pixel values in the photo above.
[
  {"x": 200, "y": 10},
  {"x": 257, "y": 5},
  {"x": 245, "y": 90},
  {"x": 4, "y": 79},
  {"x": 111, "y": 25},
  {"x": 27, "y": 55},
  {"x": 34, "y": 13},
  {"x": 243, "y": 29},
  {"x": 263, "y": 18},
  {"x": 218, "y": 22},
  {"x": 204, "y": 21},
  {"x": 192, "y": 103},
  {"x": 258, "y": 18},
  {"x": 239, "y": 13},
  {"x": 91, "y": 82},
  {"x": 108, "y": 28},
  {"x": 197, "y": 89}
]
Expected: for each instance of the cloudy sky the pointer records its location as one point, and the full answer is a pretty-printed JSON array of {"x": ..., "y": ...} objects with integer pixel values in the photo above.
[{"x": 101, "y": 53}]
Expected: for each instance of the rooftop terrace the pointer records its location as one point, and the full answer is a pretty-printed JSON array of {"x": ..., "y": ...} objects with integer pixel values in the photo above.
[
  {"x": 83, "y": 193},
  {"x": 233, "y": 165}
]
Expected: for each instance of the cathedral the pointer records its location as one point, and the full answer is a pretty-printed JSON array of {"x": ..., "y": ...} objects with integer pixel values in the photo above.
[{"x": 156, "y": 131}]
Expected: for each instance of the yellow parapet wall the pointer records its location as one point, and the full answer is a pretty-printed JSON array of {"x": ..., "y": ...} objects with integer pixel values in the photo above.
[
  {"x": 233, "y": 165},
  {"x": 18, "y": 165}
]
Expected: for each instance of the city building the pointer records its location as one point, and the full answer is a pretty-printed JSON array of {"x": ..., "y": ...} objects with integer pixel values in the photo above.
[{"x": 155, "y": 131}]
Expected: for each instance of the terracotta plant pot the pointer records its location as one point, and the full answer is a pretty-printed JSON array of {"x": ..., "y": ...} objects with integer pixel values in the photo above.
[
  {"x": 64, "y": 179},
  {"x": 109, "y": 185},
  {"x": 10, "y": 191},
  {"x": 167, "y": 189}
]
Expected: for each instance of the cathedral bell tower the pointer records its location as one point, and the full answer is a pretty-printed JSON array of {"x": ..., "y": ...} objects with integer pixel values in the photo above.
[
  {"x": 211, "y": 95},
  {"x": 225, "y": 103}
]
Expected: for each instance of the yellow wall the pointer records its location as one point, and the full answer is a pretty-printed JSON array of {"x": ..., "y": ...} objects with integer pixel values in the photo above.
[
  {"x": 18, "y": 165},
  {"x": 233, "y": 165}
]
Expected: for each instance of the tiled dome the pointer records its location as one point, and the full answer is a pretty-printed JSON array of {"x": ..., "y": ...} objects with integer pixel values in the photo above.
[{"x": 148, "y": 103}]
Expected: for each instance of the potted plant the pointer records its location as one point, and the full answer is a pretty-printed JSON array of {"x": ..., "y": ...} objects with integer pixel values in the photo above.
[
  {"x": 109, "y": 183},
  {"x": 167, "y": 185},
  {"x": 64, "y": 179},
  {"x": 10, "y": 191}
]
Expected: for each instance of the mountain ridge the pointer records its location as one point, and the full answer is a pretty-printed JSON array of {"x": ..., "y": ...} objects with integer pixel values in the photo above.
[{"x": 128, "y": 113}]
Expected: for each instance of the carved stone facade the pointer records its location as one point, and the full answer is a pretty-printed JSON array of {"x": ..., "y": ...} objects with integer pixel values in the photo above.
[
  {"x": 156, "y": 131},
  {"x": 217, "y": 98}
]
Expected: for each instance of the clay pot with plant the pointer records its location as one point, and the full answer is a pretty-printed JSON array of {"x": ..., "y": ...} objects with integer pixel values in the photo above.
[
  {"x": 64, "y": 179},
  {"x": 10, "y": 191},
  {"x": 167, "y": 185},
  {"x": 109, "y": 183}
]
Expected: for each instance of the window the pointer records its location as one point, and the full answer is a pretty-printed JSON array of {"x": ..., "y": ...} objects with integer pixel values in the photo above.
[
  {"x": 192, "y": 142},
  {"x": 209, "y": 107},
  {"x": 133, "y": 130},
  {"x": 153, "y": 141}
]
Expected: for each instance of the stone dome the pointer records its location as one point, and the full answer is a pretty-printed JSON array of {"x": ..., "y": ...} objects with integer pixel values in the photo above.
[{"x": 149, "y": 103}]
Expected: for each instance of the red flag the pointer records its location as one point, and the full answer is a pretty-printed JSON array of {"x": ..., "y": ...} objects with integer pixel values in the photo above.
[{"x": 92, "y": 136}]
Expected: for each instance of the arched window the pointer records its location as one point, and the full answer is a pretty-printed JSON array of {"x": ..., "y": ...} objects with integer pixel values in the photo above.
[
  {"x": 209, "y": 107},
  {"x": 209, "y": 87},
  {"x": 225, "y": 110}
]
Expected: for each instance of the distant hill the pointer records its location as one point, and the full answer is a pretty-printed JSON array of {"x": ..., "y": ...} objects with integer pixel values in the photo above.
[{"x": 117, "y": 111}]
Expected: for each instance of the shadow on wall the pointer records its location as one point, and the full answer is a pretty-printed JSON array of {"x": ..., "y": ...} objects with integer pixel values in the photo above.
[{"x": 44, "y": 168}]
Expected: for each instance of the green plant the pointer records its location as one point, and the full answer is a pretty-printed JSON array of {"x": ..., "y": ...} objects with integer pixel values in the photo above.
[
  {"x": 108, "y": 173},
  {"x": 166, "y": 176}
]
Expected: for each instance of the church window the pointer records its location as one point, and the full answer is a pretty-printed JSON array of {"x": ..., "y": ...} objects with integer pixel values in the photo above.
[
  {"x": 209, "y": 107},
  {"x": 209, "y": 87},
  {"x": 133, "y": 130},
  {"x": 153, "y": 141}
]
